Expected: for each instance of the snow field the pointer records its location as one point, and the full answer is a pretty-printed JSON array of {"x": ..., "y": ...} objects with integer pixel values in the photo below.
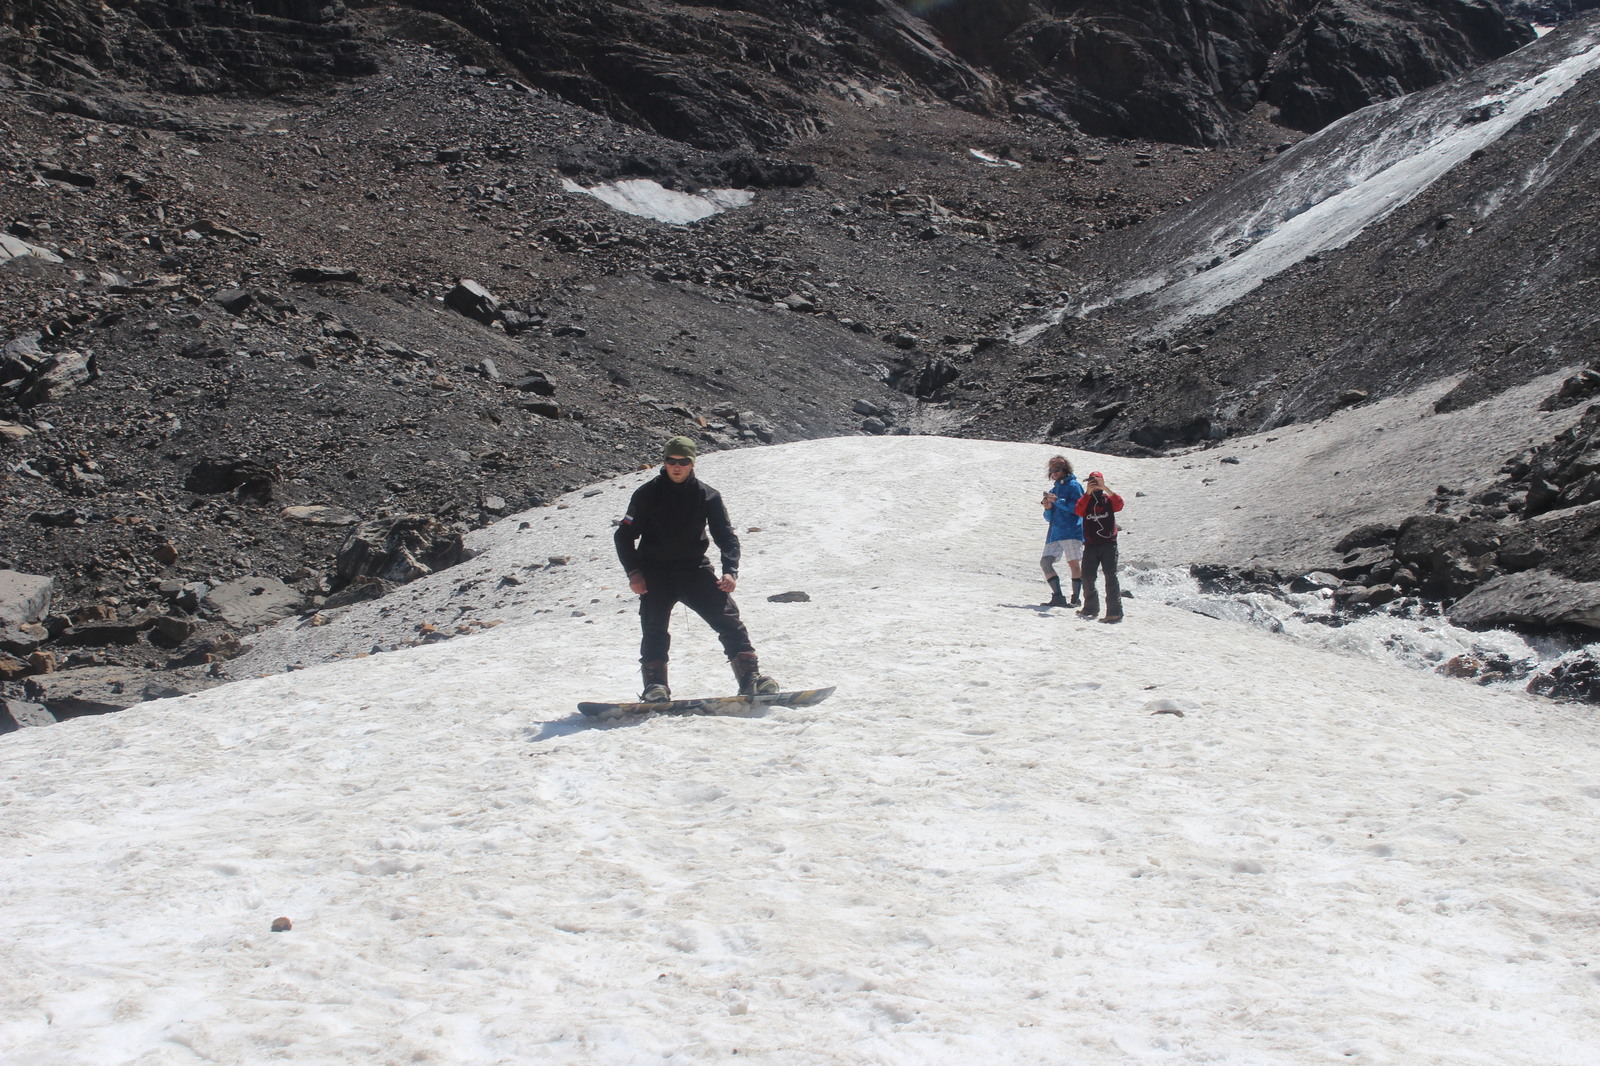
[{"x": 987, "y": 847}]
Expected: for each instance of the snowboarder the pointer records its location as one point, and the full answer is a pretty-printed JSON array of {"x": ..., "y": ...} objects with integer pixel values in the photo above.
[
  {"x": 1064, "y": 537},
  {"x": 1098, "y": 508},
  {"x": 668, "y": 517}
]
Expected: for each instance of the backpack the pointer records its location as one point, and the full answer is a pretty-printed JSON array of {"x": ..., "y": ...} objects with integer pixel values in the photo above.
[{"x": 1099, "y": 522}]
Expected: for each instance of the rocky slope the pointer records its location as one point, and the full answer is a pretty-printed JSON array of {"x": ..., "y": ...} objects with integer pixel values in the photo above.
[{"x": 293, "y": 295}]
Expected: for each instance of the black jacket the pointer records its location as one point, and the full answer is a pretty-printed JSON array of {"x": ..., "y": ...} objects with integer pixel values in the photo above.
[{"x": 670, "y": 521}]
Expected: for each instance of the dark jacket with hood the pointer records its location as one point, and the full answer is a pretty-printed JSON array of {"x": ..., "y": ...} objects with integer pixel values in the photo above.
[{"x": 669, "y": 522}]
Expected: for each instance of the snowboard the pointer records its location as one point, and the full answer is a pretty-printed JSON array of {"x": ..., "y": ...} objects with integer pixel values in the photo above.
[{"x": 709, "y": 705}]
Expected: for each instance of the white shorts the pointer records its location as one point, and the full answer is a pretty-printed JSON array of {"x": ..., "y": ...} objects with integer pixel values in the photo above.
[{"x": 1070, "y": 550}]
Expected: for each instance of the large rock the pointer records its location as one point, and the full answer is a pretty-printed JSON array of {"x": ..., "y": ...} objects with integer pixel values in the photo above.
[
  {"x": 1532, "y": 598},
  {"x": 24, "y": 598},
  {"x": 473, "y": 300},
  {"x": 21, "y": 714},
  {"x": 399, "y": 549},
  {"x": 1576, "y": 676},
  {"x": 90, "y": 690},
  {"x": 249, "y": 602},
  {"x": 15, "y": 247},
  {"x": 30, "y": 375}
]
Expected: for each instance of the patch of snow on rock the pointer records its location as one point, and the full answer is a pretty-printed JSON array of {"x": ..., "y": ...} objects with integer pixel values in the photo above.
[{"x": 651, "y": 199}]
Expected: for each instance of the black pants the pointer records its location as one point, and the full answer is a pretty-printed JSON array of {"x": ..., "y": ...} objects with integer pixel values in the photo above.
[
  {"x": 696, "y": 588},
  {"x": 1098, "y": 557}
]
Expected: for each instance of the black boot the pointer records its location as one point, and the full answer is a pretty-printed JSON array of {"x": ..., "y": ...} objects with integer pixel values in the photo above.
[
  {"x": 1077, "y": 592},
  {"x": 747, "y": 672},
  {"x": 1056, "y": 599},
  {"x": 655, "y": 682}
]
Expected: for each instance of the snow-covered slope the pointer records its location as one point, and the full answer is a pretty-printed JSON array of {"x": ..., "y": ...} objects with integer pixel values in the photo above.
[
  {"x": 989, "y": 847},
  {"x": 1322, "y": 193}
]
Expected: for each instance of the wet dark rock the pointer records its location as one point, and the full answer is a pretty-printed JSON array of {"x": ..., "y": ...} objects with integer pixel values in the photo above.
[
  {"x": 1533, "y": 599},
  {"x": 1367, "y": 536},
  {"x": 1221, "y": 580},
  {"x": 1574, "y": 677},
  {"x": 1315, "y": 580},
  {"x": 1369, "y": 595}
]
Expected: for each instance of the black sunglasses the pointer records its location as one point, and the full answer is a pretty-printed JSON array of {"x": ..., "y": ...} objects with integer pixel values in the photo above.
[{"x": 679, "y": 461}]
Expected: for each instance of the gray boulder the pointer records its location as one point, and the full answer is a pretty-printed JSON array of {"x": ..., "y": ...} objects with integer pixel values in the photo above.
[
  {"x": 250, "y": 602},
  {"x": 24, "y": 597},
  {"x": 21, "y": 714},
  {"x": 90, "y": 690},
  {"x": 1531, "y": 598}
]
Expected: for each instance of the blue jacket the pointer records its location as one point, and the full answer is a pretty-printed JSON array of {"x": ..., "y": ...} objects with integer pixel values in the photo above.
[{"x": 1064, "y": 521}]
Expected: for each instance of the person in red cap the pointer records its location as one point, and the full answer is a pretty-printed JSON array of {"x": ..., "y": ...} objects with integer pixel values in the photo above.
[{"x": 1098, "y": 507}]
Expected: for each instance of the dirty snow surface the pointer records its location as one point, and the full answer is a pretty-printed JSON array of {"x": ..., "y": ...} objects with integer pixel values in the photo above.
[{"x": 997, "y": 843}]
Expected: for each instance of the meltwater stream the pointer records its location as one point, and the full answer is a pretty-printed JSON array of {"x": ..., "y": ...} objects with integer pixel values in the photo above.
[{"x": 1406, "y": 631}]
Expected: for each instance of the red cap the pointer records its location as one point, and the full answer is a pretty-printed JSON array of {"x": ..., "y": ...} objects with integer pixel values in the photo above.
[{"x": 1096, "y": 475}]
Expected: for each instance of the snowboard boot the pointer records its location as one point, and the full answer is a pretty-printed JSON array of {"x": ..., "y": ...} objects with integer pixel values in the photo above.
[
  {"x": 747, "y": 671},
  {"x": 1056, "y": 599},
  {"x": 1077, "y": 592},
  {"x": 655, "y": 682}
]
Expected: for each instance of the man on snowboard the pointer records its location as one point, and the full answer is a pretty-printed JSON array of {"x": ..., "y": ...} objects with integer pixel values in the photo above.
[{"x": 668, "y": 518}]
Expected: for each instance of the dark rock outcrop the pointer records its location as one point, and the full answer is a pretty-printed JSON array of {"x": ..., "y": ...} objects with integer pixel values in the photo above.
[
  {"x": 399, "y": 550},
  {"x": 1534, "y": 599},
  {"x": 1351, "y": 53},
  {"x": 1181, "y": 70},
  {"x": 185, "y": 46}
]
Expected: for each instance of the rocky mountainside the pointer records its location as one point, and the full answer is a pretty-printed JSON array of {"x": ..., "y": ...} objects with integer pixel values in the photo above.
[
  {"x": 294, "y": 294},
  {"x": 1447, "y": 237}
]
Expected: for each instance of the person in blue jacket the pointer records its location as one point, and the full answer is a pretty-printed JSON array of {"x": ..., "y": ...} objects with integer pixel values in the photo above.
[{"x": 1064, "y": 538}]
